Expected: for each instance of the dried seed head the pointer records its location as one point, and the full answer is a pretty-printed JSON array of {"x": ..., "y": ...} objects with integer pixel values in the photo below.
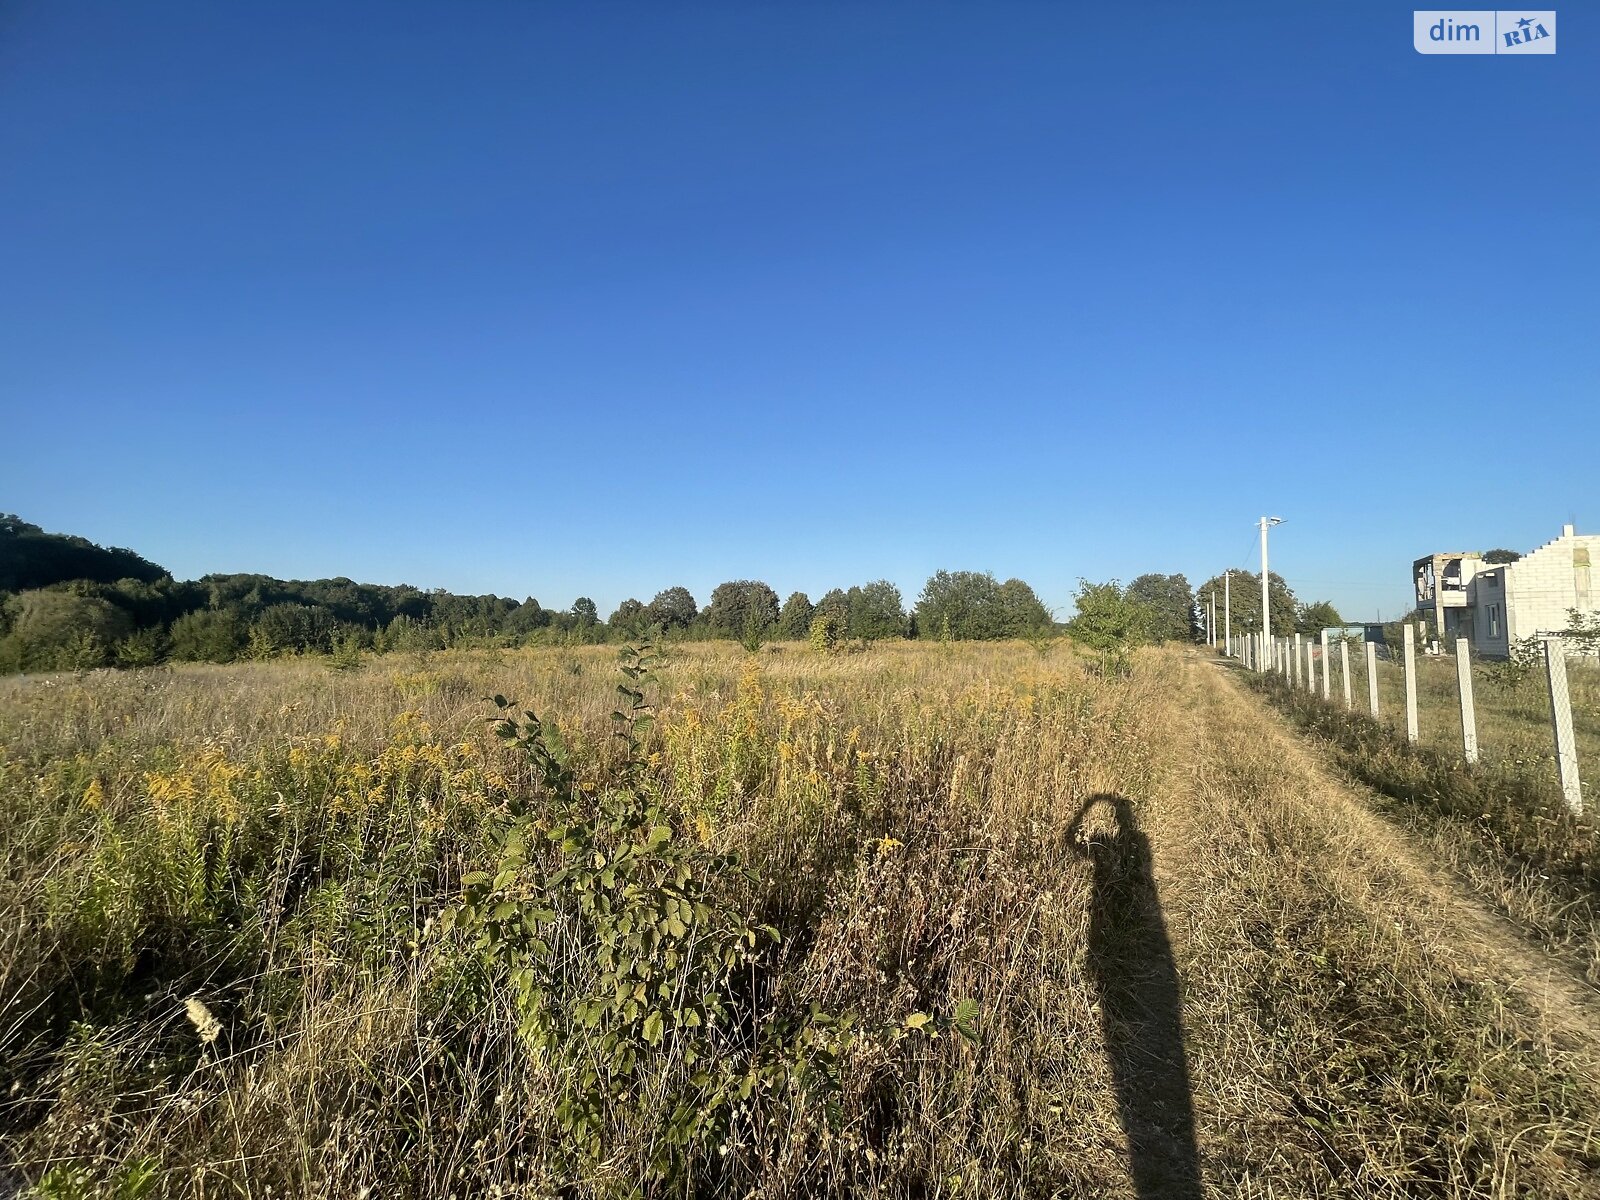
[{"x": 205, "y": 1024}]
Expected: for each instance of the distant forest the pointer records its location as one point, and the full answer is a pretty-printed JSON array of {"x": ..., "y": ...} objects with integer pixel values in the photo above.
[{"x": 68, "y": 604}]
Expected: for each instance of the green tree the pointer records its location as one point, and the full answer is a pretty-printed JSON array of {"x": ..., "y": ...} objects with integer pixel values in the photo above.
[
  {"x": 296, "y": 628},
  {"x": 794, "y": 621},
  {"x": 410, "y": 634},
  {"x": 31, "y": 559},
  {"x": 1170, "y": 600},
  {"x": 1022, "y": 613},
  {"x": 1316, "y": 616},
  {"x": 740, "y": 606},
  {"x": 673, "y": 608},
  {"x": 527, "y": 619},
  {"x": 1107, "y": 618},
  {"x": 1582, "y": 631},
  {"x": 1496, "y": 558},
  {"x": 141, "y": 648},
  {"x": 967, "y": 603},
  {"x": 1244, "y": 590},
  {"x": 875, "y": 611},
  {"x": 629, "y": 620},
  {"x": 57, "y": 630},
  {"x": 837, "y": 605},
  {"x": 209, "y": 635},
  {"x": 1110, "y": 623}
]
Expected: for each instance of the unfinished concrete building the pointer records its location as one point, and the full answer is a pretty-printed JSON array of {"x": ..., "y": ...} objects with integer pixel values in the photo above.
[
  {"x": 1495, "y": 605},
  {"x": 1441, "y": 582}
]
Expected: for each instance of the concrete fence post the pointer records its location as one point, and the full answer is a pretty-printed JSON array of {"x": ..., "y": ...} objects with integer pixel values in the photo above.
[
  {"x": 1372, "y": 677},
  {"x": 1311, "y": 665},
  {"x": 1295, "y": 666},
  {"x": 1469, "y": 716},
  {"x": 1344, "y": 670},
  {"x": 1327, "y": 668},
  {"x": 1555, "y": 666},
  {"x": 1411, "y": 682}
]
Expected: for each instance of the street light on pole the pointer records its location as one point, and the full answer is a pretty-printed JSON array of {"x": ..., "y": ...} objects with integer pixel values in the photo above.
[
  {"x": 1266, "y": 608},
  {"x": 1227, "y": 609}
]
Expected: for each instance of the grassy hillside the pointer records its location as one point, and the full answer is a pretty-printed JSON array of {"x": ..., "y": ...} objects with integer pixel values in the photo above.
[{"x": 997, "y": 926}]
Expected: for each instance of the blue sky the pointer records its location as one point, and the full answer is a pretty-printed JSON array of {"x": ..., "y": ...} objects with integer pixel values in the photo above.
[{"x": 597, "y": 299}]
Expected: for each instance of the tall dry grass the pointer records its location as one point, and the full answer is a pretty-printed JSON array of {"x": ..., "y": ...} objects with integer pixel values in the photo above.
[
  {"x": 275, "y": 839},
  {"x": 272, "y": 841}
]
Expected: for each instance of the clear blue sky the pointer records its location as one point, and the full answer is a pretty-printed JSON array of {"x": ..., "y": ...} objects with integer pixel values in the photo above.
[{"x": 596, "y": 299}]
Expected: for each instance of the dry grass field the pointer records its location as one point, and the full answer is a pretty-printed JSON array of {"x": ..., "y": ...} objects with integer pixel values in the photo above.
[{"x": 1034, "y": 932}]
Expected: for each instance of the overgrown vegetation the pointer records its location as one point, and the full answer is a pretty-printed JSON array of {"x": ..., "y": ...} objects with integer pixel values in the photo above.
[
  {"x": 284, "y": 854},
  {"x": 633, "y": 970},
  {"x": 226, "y": 968}
]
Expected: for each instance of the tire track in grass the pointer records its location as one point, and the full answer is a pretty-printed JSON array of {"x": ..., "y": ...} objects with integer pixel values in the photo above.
[
  {"x": 1356, "y": 1028},
  {"x": 1555, "y": 993}
]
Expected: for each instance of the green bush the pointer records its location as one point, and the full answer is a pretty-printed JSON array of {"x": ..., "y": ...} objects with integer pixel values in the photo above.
[
  {"x": 61, "y": 631},
  {"x": 634, "y": 969},
  {"x": 208, "y": 635},
  {"x": 827, "y": 627}
]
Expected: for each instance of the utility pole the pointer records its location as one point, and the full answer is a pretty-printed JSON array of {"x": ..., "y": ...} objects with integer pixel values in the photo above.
[
  {"x": 1227, "y": 609},
  {"x": 1266, "y": 609}
]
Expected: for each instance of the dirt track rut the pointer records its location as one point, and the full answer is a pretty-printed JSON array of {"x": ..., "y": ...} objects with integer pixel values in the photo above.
[{"x": 1483, "y": 944}]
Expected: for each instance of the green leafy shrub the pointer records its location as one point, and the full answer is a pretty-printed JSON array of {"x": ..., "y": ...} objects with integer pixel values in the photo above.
[
  {"x": 1111, "y": 623},
  {"x": 633, "y": 969},
  {"x": 826, "y": 630},
  {"x": 141, "y": 648},
  {"x": 346, "y": 654}
]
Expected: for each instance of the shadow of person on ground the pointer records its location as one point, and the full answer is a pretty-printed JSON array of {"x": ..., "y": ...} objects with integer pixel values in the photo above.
[{"x": 1130, "y": 960}]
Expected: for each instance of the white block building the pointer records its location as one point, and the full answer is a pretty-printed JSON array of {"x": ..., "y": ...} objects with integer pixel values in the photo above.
[{"x": 1531, "y": 596}]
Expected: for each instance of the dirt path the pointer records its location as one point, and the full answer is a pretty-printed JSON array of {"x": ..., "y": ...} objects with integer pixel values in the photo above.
[
  {"x": 1355, "y": 1024},
  {"x": 1481, "y": 944}
]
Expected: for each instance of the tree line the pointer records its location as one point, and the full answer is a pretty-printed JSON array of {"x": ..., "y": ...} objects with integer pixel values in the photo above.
[
  {"x": 1165, "y": 608},
  {"x": 68, "y": 604}
]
